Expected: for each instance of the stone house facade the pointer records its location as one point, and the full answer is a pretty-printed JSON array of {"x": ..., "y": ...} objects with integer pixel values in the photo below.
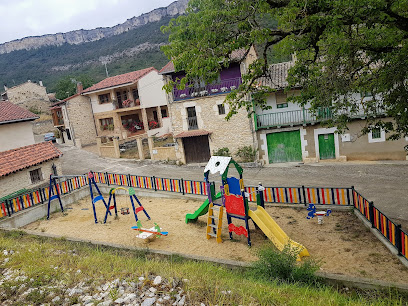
[
  {"x": 198, "y": 114},
  {"x": 23, "y": 164},
  {"x": 288, "y": 132},
  {"x": 130, "y": 104},
  {"x": 74, "y": 119},
  {"x": 31, "y": 96}
]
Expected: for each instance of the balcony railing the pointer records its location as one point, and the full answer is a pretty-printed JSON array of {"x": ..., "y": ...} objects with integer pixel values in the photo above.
[
  {"x": 192, "y": 123},
  {"x": 302, "y": 117},
  {"x": 225, "y": 86}
]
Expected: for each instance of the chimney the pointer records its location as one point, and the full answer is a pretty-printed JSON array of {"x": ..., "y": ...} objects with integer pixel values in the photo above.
[
  {"x": 41, "y": 83},
  {"x": 80, "y": 88},
  {"x": 5, "y": 87}
]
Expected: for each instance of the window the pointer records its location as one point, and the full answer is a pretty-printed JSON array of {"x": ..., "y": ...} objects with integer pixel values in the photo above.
[
  {"x": 192, "y": 118},
  {"x": 221, "y": 109},
  {"x": 106, "y": 124},
  {"x": 36, "y": 176},
  {"x": 282, "y": 105},
  {"x": 68, "y": 134},
  {"x": 135, "y": 94},
  {"x": 366, "y": 94},
  {"x": 121, "y": 96},
  {"x": 105, "y": 98},
  {"x": 376, "y": 135},
  {"x": 164, "y": 113}
]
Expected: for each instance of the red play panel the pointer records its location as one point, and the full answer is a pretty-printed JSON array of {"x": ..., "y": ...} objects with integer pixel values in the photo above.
[{"x": 234, "y": 204}]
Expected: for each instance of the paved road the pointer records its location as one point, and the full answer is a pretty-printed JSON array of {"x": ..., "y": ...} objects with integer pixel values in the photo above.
[{"x": 385, "y": 183}]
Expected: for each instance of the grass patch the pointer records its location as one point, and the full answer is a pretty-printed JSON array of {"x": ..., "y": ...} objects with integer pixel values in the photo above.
[{"x": 46, "y": 262}]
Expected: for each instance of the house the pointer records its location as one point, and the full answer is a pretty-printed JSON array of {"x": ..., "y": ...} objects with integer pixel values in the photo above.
[
  {"x": 30, "y": 95},
  {"x": 23, "y": 164},
  {"x": 198, "y": 113},
  {"x": 73, "y": 117},
  {"x": 130, "y": 104},
  {"x": 288, "y": 132}
]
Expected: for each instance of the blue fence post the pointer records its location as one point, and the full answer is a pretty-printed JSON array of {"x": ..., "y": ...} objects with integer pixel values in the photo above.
[
  {"x": 398, "y": 243},
  {"x": 352, "y": 196},
  {"x": 106, "y": 178}
]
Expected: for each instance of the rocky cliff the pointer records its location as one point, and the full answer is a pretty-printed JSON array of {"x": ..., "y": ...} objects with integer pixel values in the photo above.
[{"x": 82, "y": 36}]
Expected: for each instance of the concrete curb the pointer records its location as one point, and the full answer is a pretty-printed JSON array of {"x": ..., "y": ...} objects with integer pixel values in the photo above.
[
  {"x": 380, "y": 237},
  {"x": 336, "y": 280}
]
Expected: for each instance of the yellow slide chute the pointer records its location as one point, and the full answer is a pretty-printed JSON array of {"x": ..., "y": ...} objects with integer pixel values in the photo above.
[{"x": 273, "y": 231}]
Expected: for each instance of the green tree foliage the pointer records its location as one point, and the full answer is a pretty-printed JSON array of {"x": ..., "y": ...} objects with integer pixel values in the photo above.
[
  {"x": 67, "y": 86},
  {"x": 343, "y": 47}
]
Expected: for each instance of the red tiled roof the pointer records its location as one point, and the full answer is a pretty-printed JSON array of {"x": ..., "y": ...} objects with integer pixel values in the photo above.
[
  {"x": 192, "y": 133},
  {"x": 236, "y": 56},
  {"x": 28, "y": 156},
  {"x": 130, "y": 77},
  {"x": 10, "y": 112}
]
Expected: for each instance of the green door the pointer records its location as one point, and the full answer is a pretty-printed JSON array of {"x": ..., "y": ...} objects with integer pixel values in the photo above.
[
  {"x": 284, "y": 147},
  {"x": 326, "y": 146}
]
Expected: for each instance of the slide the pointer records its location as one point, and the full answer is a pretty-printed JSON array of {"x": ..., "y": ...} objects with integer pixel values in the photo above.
[
  {"x": 272, "y": 230},
  {"x": 202, "y": 210}
]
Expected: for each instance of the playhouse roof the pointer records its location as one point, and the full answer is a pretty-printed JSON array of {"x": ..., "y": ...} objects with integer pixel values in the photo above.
[{"x": 217, "y": 164}]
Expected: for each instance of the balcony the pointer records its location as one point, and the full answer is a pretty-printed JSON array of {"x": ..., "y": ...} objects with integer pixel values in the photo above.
[
  {"x": 126, "y": 104},
  {"x": 225, "y": 86},
  {"x": 303, "y": 117},
  {"x": 192, "y": 123}
]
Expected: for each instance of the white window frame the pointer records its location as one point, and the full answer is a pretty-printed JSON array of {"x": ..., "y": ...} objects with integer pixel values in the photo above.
[{"x": 374, "y": 140}]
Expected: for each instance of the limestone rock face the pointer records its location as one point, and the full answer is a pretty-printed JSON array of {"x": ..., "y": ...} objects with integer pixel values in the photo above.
[{"x": 82, "y": 36}]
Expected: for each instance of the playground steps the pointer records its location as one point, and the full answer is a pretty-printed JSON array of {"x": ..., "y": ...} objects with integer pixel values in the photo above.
[{"x": 214, "y": 222}]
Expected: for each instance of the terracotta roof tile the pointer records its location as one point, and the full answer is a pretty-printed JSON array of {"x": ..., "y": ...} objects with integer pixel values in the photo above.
[
  {"x": 28, "y": 156},
  {"x": 10, "y": 112},
  {"x": 130, "y": 77},
  {"x": 236, "y": 56},
  {"x": 277, "y": 75},
  {"x": 192, "y": 133}
]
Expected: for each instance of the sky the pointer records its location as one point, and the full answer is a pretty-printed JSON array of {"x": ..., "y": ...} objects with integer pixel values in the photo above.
[{"x": 22, "y": 18}]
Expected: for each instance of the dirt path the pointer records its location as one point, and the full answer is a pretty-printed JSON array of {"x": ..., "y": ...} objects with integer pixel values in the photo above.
[{"x": 342, "y": 243}]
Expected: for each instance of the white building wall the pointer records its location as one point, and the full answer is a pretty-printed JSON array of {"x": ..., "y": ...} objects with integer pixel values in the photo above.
[
  {"x": 100, "y": 108},
  {"x": 151, "y": 92},
  {"x": 15, "y": 135}
]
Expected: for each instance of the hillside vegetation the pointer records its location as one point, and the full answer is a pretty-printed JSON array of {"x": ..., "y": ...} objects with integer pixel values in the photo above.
[{"x": 133, "y": 50}]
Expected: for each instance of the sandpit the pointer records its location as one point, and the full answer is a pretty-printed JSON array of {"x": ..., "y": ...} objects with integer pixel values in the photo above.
[{"x": 342, "y": 244}]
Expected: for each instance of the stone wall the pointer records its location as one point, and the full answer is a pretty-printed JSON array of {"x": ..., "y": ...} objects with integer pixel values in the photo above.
[
  {"x": 21, "y": 179},
  {"x": 81, "y": 120},
  {"x": 42, "y": 127},
  {"x": 30, "y": 96},
  {"x": 163, "y": 153},
  {"x": 233, "y": 134}
]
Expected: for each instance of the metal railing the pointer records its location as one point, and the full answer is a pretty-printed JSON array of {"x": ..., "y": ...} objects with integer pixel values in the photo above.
[
  {"x": 303, "y": 117},
  {"x": 192, "y": 123},
  {"x": 337, "y": 196},
  {"x": 225, "y": 86}
]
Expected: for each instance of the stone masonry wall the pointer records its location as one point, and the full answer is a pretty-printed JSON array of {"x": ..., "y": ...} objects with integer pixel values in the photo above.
[
  {"x": 21, "y": 179},
  {"x": 81, "y": 119},
  {"x": 233, "y": 134},
  {"x": 42, "y": 127},
  {"x": 30, "y": 96}
]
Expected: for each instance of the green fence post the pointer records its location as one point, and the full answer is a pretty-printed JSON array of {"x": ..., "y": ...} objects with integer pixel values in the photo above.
[{"x": 398, "y": 242}]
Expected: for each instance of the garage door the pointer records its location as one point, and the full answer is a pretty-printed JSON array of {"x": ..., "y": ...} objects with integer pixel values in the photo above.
[{"x": 284, "y": 147}]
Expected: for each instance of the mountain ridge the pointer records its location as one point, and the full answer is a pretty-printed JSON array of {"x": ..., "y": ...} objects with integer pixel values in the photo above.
[{"x": 81, "y": 36}]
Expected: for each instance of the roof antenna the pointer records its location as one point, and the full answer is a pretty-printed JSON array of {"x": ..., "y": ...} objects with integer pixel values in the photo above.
[{"x": 106, "y": 69}]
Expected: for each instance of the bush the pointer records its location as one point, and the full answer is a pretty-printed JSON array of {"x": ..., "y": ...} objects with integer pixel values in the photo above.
[
  {"x": 57, "y": 134},
  {"x": 282, "y": 266},
  {"x": 247, "y": 154},
  {"x": 34, "y": 110},
  {"x": 222, "y": 152}
]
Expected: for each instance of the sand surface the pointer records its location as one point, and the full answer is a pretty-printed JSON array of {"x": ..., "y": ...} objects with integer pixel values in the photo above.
[{"x": 342, "y": 243}]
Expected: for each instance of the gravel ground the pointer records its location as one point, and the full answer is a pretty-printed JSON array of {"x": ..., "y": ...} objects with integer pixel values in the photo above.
[{"x": 385, "y": 183}]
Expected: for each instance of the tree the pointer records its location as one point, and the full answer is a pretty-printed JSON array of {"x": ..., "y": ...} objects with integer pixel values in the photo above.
[
  {"x": 67, "y": 85},
  {"x": 341, "y": 46}
]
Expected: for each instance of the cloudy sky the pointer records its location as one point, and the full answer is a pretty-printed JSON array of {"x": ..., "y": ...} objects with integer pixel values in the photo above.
[{"x": 22, "y": 18}]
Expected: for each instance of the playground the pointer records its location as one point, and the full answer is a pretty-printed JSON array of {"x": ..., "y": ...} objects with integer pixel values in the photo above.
[{"x": 342, "y": 243}]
